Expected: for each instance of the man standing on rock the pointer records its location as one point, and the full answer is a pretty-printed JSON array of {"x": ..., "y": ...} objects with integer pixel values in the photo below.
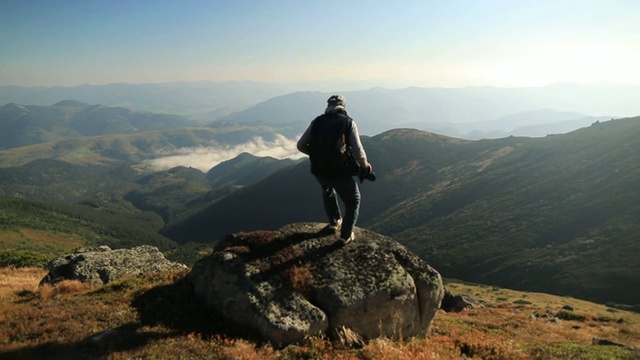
[{"x": 336, "y": 155}]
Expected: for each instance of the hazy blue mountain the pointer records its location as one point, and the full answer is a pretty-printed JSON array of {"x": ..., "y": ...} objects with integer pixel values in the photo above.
[
  {"x": 535, "y": 117},
  {"x": 535, "y": 123},
  {"x": 555, "y": 214},
  {"x": 203, "y": 101},
  {"x": 32, "y": 124},
  {"x": 377, "y": 109},
  {"x": 560, "y": 127},
  {"x": 101, "y": 120}
]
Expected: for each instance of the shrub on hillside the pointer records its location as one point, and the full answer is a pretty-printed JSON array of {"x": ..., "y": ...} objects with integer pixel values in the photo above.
[{"x": 18, "y": 258}]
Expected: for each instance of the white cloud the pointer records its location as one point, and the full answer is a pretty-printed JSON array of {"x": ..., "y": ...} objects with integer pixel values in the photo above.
[{"x": 204, "y": 158}]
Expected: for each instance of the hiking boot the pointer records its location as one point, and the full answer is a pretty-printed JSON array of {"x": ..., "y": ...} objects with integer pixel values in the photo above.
[
  {"x": 350, "y": 239},
  {"x": 336, "y": 227}
]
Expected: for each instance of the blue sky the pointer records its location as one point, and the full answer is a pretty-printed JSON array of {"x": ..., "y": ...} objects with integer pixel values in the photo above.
[{"x": 390, "y": 43}]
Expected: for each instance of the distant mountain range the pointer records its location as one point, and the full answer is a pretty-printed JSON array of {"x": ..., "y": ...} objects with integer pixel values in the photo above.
[
  {"x": 22, "y": 125},
  {"x": 536, "y": 123},
  {"x": 470, "y": 112},
  {"x": 199, "y": 100}
]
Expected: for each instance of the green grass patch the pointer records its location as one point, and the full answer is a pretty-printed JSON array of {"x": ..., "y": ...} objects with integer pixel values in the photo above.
[
  {"x": 18, "y": 258},
  {"x": 582, "y": 351}
]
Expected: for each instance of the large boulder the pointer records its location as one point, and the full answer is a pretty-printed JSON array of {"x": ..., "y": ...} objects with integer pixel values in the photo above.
[
  {"x": 299, "y": 281},
  {"x": 103, "y": 265}
]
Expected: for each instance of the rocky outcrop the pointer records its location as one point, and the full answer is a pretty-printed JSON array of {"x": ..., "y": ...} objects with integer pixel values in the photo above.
[
  {"x": 457, "y": 303},
  {"x": 103, "y": 265},
  {"x": 299, "y": 281}
]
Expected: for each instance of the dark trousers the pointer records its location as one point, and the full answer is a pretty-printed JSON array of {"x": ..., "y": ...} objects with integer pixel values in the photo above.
[{"x": 347, "y": 189}]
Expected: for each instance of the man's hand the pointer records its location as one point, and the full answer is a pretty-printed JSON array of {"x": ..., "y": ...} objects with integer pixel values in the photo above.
[{"x": 367, "y": 173}]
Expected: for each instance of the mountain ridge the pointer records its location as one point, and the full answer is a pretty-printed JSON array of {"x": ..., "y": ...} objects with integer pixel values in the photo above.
[
  {"x": 377, "y": 108},
  {"x": 22, "y": 125},
  {"x": 195, "y": 99}
]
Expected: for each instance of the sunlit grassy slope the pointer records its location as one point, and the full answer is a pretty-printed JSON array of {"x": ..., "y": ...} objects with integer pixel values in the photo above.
[{"x": 155, "y": 317}]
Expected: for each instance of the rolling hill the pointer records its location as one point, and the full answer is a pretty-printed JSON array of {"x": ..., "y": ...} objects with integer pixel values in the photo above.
[
  {"x": 134, "y": 149},
  {"x": 52, "y": 229},
  {"x": 60, "y": 181},
  {"x": 22, "y": 125}
]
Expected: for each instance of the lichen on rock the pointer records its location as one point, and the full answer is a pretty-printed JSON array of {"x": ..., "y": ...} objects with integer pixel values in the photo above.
[
  {"x": 299, "y": 281},
  {"x": 103, "y": 265}
]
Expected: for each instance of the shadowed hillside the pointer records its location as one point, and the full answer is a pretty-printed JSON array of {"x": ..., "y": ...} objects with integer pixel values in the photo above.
[
  {"x": 544, "y": 216},
  {"x": 245, "y": 169},
  {"x": 555, "y": 214}
]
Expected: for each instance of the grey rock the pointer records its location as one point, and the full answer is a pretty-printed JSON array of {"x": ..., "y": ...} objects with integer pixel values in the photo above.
[
  {"x": 300, "y": 281},
  {"x": 103, "y": 265},
  {"x": 607, "y": 342},
  {"x": 103, "y": 335},
  {"x": 546, "y": 315},
  {"x": 457, "y": 303}
]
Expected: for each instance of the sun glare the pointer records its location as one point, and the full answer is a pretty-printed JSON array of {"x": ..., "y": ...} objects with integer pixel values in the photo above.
[{"x": 576, "y": 63}]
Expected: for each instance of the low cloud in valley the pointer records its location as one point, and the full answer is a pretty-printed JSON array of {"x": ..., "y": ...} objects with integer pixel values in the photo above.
[{"x": 204, "y": 158}]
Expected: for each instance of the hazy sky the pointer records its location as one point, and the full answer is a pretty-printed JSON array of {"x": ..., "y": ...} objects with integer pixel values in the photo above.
[{"x": 423, "y": 43}]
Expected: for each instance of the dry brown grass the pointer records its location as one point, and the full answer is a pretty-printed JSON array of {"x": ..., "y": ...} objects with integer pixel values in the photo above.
[
  {"x": 16, "y": 280},
  {"x": 152, "y": 317},
  {"x": 386, "y": 349},
  {"x": 64, "y": 287},
  {"x": 300, "y": 279}
]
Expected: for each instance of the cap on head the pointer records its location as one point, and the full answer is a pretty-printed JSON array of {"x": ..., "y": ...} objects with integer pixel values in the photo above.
[{"x": 337, "y": 100}]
